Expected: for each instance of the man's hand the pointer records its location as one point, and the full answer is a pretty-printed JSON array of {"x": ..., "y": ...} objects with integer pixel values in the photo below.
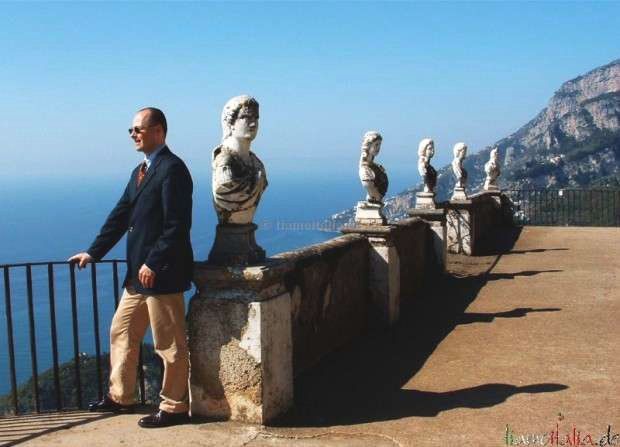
[
  {"x": 81, "y": 259},
  {"x": 146, "y": 277}
]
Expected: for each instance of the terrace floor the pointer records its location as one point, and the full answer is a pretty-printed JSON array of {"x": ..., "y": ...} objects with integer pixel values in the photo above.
[{"x": 523, "y": 340}]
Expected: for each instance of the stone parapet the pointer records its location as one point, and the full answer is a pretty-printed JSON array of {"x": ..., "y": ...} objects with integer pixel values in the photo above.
[
  {"x": 384, "y": 272},
  {"x": 436, "y": 219},
  {"x": 329, "y": 296},
  {"x": 414, "y": 243}
]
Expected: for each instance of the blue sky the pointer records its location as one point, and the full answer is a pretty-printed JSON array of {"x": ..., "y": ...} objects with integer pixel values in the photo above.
[{"x": 72, "y": 75}]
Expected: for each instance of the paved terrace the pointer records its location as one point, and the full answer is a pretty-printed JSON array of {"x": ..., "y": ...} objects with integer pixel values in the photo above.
[{"x": 527, "y": 338}]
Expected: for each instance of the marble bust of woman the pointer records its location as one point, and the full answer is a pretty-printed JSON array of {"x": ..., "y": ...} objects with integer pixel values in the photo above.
[
  {"x": 426, "y": 150},
  {"x": 239, "y": 177},
  {"x": 460, "y": 151},
  {"x": 491, "y": 168},
  {"x": 372, "y": 175}
]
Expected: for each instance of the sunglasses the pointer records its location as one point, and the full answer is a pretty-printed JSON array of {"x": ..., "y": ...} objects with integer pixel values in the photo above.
[{"x": 137, "y": 129}]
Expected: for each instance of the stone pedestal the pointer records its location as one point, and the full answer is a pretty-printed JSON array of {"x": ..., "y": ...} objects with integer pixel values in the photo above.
[
  {"x": 436, "y": 218},
  {"x": 369, "y": 213},
  {"x": 425, "y": 201},
  {"x": 235, "y": 245},
  {"x": 459, "y": 194},
  {"x": 460, "y": 224},
  {"x": 240, "y": 343},
  {"x": 384, "y": 273}
]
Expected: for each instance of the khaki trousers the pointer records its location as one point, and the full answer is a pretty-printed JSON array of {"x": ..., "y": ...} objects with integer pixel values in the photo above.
[{"x": 166, "y": 315}]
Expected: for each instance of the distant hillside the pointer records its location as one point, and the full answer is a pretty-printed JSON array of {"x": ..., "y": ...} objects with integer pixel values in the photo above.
[{"x": 573, "y": 142}]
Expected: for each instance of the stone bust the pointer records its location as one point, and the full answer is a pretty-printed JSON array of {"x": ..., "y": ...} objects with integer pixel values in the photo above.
[
  {"x": 239, "y": 177},
  {"x": 372, "y": 175},
  {"x": 491, "y": 168},
  {"x": 460, "y": 151},
  {"x": 426, "y": 150}
]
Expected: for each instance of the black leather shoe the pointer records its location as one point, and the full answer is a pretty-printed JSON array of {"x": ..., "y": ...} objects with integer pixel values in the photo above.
[
  {"x": 108, "y": 405},
  {"x": 162, "y": 418}
]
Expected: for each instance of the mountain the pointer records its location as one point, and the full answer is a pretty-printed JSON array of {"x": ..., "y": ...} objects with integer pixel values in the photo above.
[{"x": 574, "y": 142}]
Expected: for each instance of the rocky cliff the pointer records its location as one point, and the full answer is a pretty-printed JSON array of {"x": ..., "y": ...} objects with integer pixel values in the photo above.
[{"x": 572, "y": 143}]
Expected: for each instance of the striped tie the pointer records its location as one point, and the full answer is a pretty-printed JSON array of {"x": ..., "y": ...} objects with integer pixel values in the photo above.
[{"x": 141, "y": 173}]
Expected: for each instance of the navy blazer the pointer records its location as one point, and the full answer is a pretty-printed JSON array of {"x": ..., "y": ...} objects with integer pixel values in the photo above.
[{"x": 157, "y": 217}]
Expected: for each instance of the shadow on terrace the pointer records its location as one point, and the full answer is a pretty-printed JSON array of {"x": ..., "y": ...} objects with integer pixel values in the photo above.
[{"x": 363, "y": 382}]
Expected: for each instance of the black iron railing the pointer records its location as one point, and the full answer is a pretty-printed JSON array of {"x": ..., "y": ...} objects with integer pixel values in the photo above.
[
  {"x": 76, "y": 298},
  {"x": 565, "y": 207}
]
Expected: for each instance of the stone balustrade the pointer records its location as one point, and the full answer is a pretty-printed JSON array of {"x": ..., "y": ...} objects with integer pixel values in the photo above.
[
  {"x": 255, "y": 323},
  {"x": 253, "y": 329}
]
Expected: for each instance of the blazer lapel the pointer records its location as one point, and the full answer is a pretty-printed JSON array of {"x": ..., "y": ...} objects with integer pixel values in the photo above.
[
  {"x": 150, "y": 173},
  {"x": 133, "y": 187}
]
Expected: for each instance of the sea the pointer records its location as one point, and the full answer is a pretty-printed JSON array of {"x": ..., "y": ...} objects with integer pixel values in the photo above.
[{"x": 50, "y": 219}]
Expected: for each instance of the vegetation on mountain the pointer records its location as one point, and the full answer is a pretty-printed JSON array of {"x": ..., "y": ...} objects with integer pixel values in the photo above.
[
  {"x": 573, "y": 143},
  {"x": 88, "y": 379}
]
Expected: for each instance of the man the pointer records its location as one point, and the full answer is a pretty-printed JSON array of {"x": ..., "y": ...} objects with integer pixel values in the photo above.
[{"x": 156, "y": 212}]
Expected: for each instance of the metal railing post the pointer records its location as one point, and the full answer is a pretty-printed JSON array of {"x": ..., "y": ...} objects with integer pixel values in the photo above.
[
  {"x": 76, "y": 338},
  {"x": 33, "y": 341},
  {"x": 52, "y": 300},
  {"x": 93, "y": 279},
  {"x": 9, "y": 332}
]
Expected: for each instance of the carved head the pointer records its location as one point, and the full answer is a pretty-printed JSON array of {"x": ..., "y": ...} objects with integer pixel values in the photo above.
[
  {"x": 245, "y": 109},
  {"x": 426, "y": 148},
  {"x": 494, "y": 154},
  {"x": 460, "y": 150},
  {"x": 371, "y": 144}
]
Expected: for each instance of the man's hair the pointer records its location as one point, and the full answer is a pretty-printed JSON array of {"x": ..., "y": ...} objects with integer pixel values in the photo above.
[{"x": 156, "y": 117}]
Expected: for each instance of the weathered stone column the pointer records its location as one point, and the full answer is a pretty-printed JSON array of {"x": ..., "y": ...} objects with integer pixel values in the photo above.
[
  {"x": 384, "y": 272},
  {"x": 436, "y": 218},
  {"x": 240, "y": 342},
  {"x": 460, "y": 225}
]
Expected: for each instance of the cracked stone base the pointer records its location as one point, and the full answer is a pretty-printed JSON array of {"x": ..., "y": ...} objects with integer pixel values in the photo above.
[
  {"x": 459, "y": 194},
  {"x": 492, "y": 187},
  {"x": 425, "y": 201},
  {"x": 368, "y": 213},
  {"x": 240, "y": 343}
]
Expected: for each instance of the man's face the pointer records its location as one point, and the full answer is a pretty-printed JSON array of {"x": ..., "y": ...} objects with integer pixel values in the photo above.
[
  {"x": 246, "y": 124},
  {"x": 145, "y": 136}
]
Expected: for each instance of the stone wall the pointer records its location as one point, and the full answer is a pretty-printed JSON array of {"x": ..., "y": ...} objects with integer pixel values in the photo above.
[
  {"x": 416, "y": 255},
  {"x": 330, "y": 292},
  {"x": 487, "y": 212},
  {"x": 329, "y": 296},
  {"x": 469, "y": 221}
]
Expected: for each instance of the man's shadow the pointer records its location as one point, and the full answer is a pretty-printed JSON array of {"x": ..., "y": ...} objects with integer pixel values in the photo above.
[
  {"x": 496, "y": 276},
  {"x": 360, "y": 407},
  {"x": 363, "y": 382},
  {"x": 475, "y": 317},
  {"x": 535, "y": 250}
]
